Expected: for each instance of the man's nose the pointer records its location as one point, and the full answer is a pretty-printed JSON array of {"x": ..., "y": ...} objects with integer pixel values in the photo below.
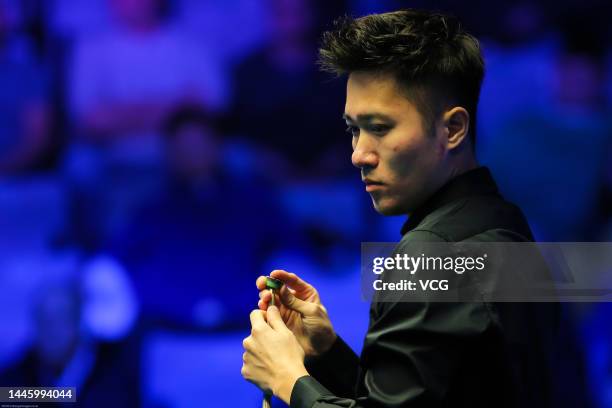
[{"x": 364, "y": 155}]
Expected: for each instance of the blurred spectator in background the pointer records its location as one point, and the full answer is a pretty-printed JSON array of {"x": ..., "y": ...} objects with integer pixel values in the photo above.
[
  {"x": 126, "y": 81},
  {"x": 195, "y": 248},
  {"x": 25, "y": 120},
  {"x": 558, "y": 150},
  {"x": 283, "y": 102},
  {"x": 123, "y": 85},
  {"x": 520, "y": 59},
  {"x": 75, "y": 346}
]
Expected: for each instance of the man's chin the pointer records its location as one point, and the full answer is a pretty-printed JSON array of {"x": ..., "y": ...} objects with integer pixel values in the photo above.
[{"x": 386, "y": 208}]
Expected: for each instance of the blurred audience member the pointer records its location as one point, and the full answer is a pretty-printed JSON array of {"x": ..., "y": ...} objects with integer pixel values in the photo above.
[
  {"x": 24, "y": 100},
  {"x": 67, "y": 352},
  {"x": 123, "y": 85},
  {"x": 194, "y": 250},
  {"x": 550, "y": 158},
  {"x": 520, "y": 62},
  {"x": 125, "y": 82},
  {"x": 282, "y": 101}
]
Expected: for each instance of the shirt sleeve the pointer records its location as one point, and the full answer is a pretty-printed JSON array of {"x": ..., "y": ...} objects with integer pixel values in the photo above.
[
  {"x": 414, "y": 351},
  {"x": 411, "y": 353},
  {"x": 336, "y": 369}
]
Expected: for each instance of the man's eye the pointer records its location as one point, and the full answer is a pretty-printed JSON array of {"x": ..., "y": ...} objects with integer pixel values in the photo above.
[
  {"x": 353, "y": 130},
  {"x": 379, "y": 129}
]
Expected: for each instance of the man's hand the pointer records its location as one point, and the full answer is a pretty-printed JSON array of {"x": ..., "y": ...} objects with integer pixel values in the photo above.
[
  {"x": 301, "y": 310},
  {"x": 273, "y": 359}
]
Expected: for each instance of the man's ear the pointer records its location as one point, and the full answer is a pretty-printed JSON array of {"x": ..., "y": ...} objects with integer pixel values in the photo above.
[{"x": 457, "y": 122}]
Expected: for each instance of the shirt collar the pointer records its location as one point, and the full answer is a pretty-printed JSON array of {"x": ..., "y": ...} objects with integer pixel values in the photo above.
[{"x": 478, "y": 181}]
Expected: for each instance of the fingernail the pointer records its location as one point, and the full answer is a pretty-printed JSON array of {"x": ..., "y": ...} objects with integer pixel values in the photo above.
[{"x": 272, "y": 307}]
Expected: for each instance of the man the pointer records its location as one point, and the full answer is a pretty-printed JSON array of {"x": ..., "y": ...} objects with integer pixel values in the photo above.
[{"x": 413, "y": 85}]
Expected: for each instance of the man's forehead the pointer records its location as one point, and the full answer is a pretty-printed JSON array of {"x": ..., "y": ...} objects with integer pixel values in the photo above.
[{"x": 374, "y": 96}]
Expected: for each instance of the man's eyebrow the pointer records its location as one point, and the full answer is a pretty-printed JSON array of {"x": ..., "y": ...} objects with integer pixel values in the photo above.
[{"x": 368, "y": 117}]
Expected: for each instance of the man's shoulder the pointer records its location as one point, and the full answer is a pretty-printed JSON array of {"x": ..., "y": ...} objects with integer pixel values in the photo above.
[{"x": 481, "y": 217}]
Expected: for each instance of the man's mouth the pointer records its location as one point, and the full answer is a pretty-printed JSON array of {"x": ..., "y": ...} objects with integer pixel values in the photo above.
[
  {"x": 372, "y": 185},
  {"x": 368, "y": 181}
]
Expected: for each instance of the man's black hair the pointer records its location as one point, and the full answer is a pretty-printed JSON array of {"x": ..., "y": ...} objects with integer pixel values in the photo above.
[{"x": 434, "y": 60}]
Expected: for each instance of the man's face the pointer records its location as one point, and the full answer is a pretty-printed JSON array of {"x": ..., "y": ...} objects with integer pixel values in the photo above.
[{"x": 400, "y": 162}]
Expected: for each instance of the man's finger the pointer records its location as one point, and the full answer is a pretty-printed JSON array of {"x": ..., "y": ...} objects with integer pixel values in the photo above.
[
  {"x": 265, "y": 295},
  {"x": 261, "y": 283},
  {"x": 274, "y": 319},
  {"x": 292, "y": 302},
  {"x": 265, "y": 298},
  {"x": 290, "y": 279},
  {"x": 258, "y": 320},
  {"x": 265, "y": 301}
]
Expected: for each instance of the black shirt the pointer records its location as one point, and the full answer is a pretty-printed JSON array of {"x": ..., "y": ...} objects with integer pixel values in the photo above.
[{"x": 432, "y": 354}]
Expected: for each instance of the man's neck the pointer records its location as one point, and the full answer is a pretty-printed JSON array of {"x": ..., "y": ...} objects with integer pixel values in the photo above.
[
  {"x": 468, "y": 182},
  {"x": 463, "y": 167}
]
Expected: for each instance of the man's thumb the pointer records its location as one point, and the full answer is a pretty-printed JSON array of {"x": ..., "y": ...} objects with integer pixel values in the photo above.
[
  {"x": 300, "y": 306},
  {"x": 274, "y": 318}
]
